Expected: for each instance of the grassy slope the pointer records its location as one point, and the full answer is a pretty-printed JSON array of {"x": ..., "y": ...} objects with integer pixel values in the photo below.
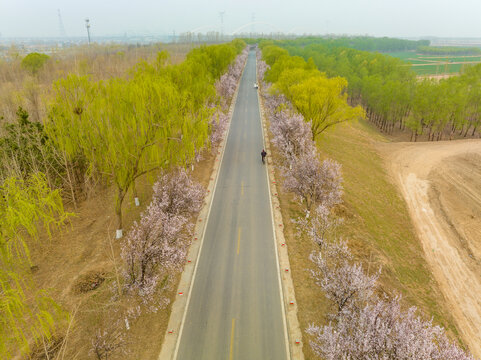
[{"x": 377, "y": 226}]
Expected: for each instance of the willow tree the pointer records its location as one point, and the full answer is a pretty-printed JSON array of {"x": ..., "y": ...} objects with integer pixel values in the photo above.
[
  {"x": 26, "y": 314},
  {"x": 323, "y": 102},
  {"x": 130, "y": 128},
  {"x": 125, "y": 128}
]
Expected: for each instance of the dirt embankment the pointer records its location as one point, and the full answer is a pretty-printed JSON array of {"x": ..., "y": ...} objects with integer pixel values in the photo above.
[{"x": 441, "y": 183}]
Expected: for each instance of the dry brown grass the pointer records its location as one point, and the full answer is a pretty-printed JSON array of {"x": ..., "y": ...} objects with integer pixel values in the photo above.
[{"x": 100, "y": 62}]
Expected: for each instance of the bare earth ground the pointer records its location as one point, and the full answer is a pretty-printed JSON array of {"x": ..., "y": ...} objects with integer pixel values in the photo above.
[{"x": 441, "y": 183}]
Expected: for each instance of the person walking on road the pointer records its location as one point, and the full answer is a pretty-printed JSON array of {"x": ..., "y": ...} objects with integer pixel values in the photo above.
[{"x": 263, "y": 156}]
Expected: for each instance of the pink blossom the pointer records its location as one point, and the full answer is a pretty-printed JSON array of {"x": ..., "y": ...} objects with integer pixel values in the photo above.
[
  {"x": 176, "y": 194},
  {"x": 342, "y": 282},
  {"x": 218, "y": 126},
  {"x": 291, "y": 134},
  {"x": 381, "y": 330},
  {"x": 314, "y": 182},
  {"x": 156, "y": 246}
]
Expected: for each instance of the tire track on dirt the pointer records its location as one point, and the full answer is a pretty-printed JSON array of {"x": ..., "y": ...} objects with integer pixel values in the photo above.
[{"x": 457, "y": 274}]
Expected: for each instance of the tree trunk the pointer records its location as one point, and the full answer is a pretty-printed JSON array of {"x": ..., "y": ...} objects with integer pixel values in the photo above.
[
  {"x": 70, "y": 182},
  {"x": 134, "y": 192},
  {"x": 118, "y": 211}
]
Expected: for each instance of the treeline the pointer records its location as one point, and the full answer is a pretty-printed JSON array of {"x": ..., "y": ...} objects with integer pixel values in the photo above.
[
  {"x": 321, "y": 100},
  {"x": 113, "y": 131},
  {"x": 393, "y": 97},
  {"x": 448, "y": 50},
  {"x": 365, "y": 43}
]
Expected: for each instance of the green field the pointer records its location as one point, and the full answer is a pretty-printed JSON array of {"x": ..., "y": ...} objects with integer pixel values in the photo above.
[{"x": 436, "y": 64}]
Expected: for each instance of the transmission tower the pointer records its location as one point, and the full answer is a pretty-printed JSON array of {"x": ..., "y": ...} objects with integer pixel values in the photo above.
[
  {"x": 61, "y": 28},
  {"x": 87, "y": 25}
]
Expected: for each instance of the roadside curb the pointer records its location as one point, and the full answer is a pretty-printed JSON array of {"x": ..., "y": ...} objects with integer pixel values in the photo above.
[
  {"x": 289, "y": 298},
  {"x": 184, "y": 289}
]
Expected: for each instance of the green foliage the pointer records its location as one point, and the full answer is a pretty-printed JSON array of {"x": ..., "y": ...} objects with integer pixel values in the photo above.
[
  {"x": 25, "y": 148},
  {"x": 33, "y": 62},
  {"x": 23, "y": 205},
  {"x": 272, "y": 53},
  {"x": 364, "y": 43},
  {"x": 448, "y": 50},
  {"x": 390, "y": 93},
  {"x": 126, "y": 128},
  {"x": 25, "y": 314},
  {"x": 322, "y": 101}
]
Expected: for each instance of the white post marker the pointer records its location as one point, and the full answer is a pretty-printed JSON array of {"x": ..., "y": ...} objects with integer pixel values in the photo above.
[{"x": 118, "y": 234}]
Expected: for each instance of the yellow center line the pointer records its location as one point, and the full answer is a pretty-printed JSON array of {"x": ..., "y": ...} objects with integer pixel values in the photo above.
[
  {"x": 231, "y": 352},
  {"x": 238, "y": 240}
]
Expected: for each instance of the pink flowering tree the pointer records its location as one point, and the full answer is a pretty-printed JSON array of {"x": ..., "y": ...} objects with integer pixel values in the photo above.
[
  {"x": 153, "y": 246},
  {"x": 342, "y": 281},
  {"x": 272, "y": 104},
  {"x": 314, "y": 182},
  {"x": 226, "y": 87},
  {"x": 320, "y": 225},
  {"x": 175, "y": 193},
  {"x": 227, "y": 83},
  {"x": 291, "y": 134},
  {"x": 157, "y": 244},
  {"x": 382, "y": 330},
  {"x": 218, "y": 126},
  {"x": 262, "y": 67},
  {"x": 105, "y": 343}
]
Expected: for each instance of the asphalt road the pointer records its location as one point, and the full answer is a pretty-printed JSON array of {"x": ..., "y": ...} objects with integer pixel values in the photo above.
[{"x": 235, "y": 307}]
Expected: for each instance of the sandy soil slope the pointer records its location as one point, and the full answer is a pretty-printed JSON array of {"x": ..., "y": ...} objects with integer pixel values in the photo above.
[{"x": 441, "y": 182}]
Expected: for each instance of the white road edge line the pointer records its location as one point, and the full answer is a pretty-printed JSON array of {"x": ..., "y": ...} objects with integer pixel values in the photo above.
[
  {"x": 281, "y": 290},
  {"x": 234, "y": 101}
]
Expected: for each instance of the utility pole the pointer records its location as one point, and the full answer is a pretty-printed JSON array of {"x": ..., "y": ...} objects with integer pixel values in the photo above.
[{"x": 87, "y": 25}]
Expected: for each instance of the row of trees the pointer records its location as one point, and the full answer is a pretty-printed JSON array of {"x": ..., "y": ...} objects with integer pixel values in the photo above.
[
  {"x": 322, "y": 101},
  {"x": 361, "y": 325},
  {"x": 365, "y": 43},
  {"x": 448, "y": 50},
  {"x": 393, "y": 97}
]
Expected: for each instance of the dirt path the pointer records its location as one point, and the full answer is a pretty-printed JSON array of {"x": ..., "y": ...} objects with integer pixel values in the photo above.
[{"x": 441, "y": 183}]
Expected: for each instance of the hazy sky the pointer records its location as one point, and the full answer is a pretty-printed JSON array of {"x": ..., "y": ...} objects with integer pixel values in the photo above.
[{"x": 403, "y": 18}]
